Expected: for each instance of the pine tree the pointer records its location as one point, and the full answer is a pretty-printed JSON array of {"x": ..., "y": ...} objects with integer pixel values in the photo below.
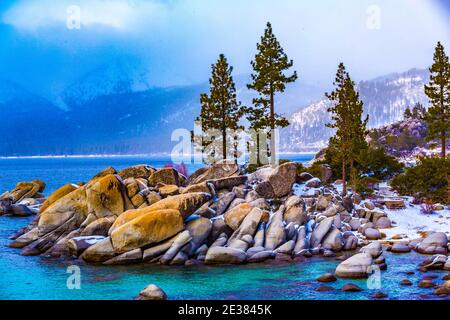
[
  {"x": 268, "y": 79},
  {"x": 347, "y": 111},
  {"x": 438, "y": 91},
  {"x": 220, "y": 110}
]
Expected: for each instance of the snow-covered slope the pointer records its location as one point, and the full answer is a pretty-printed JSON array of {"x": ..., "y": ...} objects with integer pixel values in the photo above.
[{"x": 385, "y": 101}]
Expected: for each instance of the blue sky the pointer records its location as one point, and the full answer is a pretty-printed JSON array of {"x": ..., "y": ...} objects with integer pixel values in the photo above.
[{"x": 175, "y": 41}]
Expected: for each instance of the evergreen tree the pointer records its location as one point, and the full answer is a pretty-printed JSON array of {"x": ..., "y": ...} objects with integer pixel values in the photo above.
[
  {"x": 347, "y": 111},
  {"x": 438, "y": 91},
  {"x": 268, "y": 79},
  {"x": 220, "y": 110}
]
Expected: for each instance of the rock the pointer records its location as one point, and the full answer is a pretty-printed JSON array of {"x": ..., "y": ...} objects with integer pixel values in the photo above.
[
  {"x": 180, "y": 241},
  {"x": 186, "y": 204},
  {"x": 350, "y": 241},
  {"x": 383, "y": 223},
  {"x": 426, "y": 283},
  {"x": 435, "y": 243},
  {"x": 260, "y": 235},
  {"x": 347, "y": 202},
  {"x": 20, "y": 210},
  {"x": 138, "y": 171},
  {"x": 322, "y": 203},
  {"x": 286, "y": 248},
  {"x": 253, "y": 250},
  {"x": 224, "y": 255},
  {"x": 265, "y": 190},
  {"x": 130, "y": 257},
  {"x": 152, "y": 292},
  {"x": 199, "y": 187},
  {"x": 443, "y": 290},
  {"x": 357, "y": 266},
  {"x": 333, "y": 240},
  {"x": 219, "y": 227},
  {"x": 313, "y": 183},
  {"x": 327, "y": 277},
  {"x": 236, "y": 202},
  {"x": 229, "y": 182},
  {"x": 251, "y": 196},
  {"x": 99, "y": 227},
  {"x": 99, "y": 251},
  {"x": 77, "y": 245},
  {"x": 221, "y": 206},
  {"x": 25, "y": 239},
  {"x": 325, "y": 173},
  {"x": 447, "y": 265},
  {"x": 158, "y": 250},
  {"x": 234, "y": 217},
  {"x": 295, "y": 211},
  {"x": 58, "y": 194},
  {"x": 303, "y": 177},
  {"x": 302, "y": 244},
  {"x": 355, "y": 224},
  {"x": 400, "y": 247},
  {"x": 275, "y": 182},
  {"x": 24, "y": 190},
  {"x": 320, "y": 231},
  {"x": 219, "y": 170},
  {"x": 249, "y": 225},
  {"x": 330, "y": 211},
  {"x": 379, "y": 295},
  {"x": 72, "y": 204},
  {"x": 324, "y": 289},
  {"x": 261, "y": 256},
  {"x": 165, "y": 176},
  {"x": 275, "y": 233},
  {"x": 152, "y": 197},
  {"x": 147, "y": 229},
  {"x": 260, "y": 203},
  {"x": 372, "y": 234},
  {"x": 104, "y": 197},
  {"x": 350, "y": 287},
  {"x": 406, "y": 282},
  {"x": 436, "y": 262},
  {"x": 373, "y": 249},
  {"x": 199, "y": 229},
  {"x": 169, "y": 190}
]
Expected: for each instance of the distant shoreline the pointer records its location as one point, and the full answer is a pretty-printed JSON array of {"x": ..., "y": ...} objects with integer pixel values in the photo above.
[{"x": 164, "y": 154}]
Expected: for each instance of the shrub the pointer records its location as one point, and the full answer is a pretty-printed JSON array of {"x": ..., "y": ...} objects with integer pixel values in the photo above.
[{"x": 429, "y": 179}]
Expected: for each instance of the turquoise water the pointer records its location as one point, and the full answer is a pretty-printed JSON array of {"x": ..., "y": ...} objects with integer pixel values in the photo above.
[{"x": 43, "y": 278}]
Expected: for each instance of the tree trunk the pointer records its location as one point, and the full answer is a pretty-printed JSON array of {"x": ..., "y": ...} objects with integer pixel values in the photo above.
[
  {"x": 224, "y": 143},
  {"x": 258, "y": 159},
  {"x": 344, "y": 179},
  {"x": 443, "y": 145},
  {"x": 272, "y": 130}
]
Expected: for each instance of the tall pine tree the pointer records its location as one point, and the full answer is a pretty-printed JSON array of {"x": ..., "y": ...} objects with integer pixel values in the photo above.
[
  {"x": 220, "y": 110},
  {"x": 347, "y": 112},
  {"x": 438, "y": 91},
  {"x": 268, "y": 79}
]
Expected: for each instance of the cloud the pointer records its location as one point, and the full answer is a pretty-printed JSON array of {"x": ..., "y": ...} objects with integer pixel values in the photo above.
[{"x": 121, "y": 15}]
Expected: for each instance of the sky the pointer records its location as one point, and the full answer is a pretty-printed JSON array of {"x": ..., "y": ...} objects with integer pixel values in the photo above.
[{"x": 46, "y": 45}]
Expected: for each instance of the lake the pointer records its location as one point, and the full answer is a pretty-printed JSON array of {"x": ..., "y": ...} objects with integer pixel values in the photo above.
[{"x": 43, "y": 278}]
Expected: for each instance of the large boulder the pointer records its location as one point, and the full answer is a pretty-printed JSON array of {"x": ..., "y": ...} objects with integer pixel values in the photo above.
[
  {"x": 320, "y": 231},
  {"x": 357, "y": 266},
  {"x": 219, "y": 170},
  {"x": 295, "y": 211},
  {"x": 275, "y": 233},
  {"x": 435, "y": 243},
  {"x": 224, "y": 202},
  {"x": 249, "y": 225},
  {"x": 72, "y": 204},
  {"x": 224, "y": 255},
  {"x": 235, "y": 216},
  {"x": 24, "y": 190},
  {"x": 138, "y": 171},
  {"x": 186, "y": 204},
  {"x": 99, "y": 251},
  {"x": 105, "y": 197},
  {"x": 150, "y": 228},
  {"x": 275, "y": 182},
  {"x": 165, "y": 176},
  {"x": 333, "y": 240},
  {"x": 58, "y": 194},
  {"x": 77, "y": 245},
  {"x": 98, "y": 227}
]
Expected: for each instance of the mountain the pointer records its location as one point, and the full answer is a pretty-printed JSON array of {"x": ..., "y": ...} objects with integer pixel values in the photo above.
[
  {"x": 113, "y": 110},
  {"x": 30, "y": 124},
  {"x": 385, "y": 101}
]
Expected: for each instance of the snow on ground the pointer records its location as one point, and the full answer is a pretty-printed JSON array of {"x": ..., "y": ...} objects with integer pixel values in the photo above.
[{"x": 411, "y": 220}]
